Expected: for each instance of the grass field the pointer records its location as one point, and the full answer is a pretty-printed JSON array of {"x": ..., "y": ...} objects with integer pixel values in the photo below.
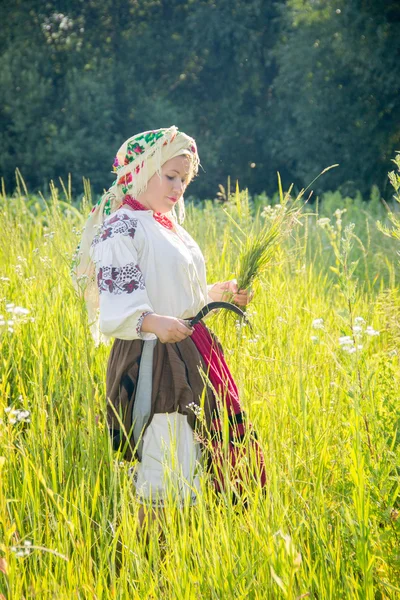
[{"x": 319, "y": 378}]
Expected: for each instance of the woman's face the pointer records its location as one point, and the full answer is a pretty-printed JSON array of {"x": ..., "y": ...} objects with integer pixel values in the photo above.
[{"x": 163, "y": 192}]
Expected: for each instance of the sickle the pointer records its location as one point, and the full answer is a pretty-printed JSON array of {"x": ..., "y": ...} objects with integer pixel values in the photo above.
[{"x": 212, "y": 306}]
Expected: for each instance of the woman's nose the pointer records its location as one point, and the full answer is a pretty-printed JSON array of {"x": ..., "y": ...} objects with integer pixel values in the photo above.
[{"x": 178, "y": 187}]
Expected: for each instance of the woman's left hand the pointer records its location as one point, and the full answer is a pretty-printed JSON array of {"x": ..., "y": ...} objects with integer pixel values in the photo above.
[{"x": 228, "y": 291}]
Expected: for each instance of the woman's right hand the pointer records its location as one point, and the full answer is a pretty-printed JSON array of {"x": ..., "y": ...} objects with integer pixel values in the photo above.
[{"x": 168, "y": 329}]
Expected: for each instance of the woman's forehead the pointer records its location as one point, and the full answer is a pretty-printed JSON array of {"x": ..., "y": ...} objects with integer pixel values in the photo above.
[{"x": 182, "y": 164}]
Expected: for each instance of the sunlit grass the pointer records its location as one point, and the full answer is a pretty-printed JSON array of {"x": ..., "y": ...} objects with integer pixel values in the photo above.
[{"x": 327, "y": 419}]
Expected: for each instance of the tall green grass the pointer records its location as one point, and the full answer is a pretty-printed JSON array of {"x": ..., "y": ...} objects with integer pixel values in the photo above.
[{"x": 327, "y": 418}]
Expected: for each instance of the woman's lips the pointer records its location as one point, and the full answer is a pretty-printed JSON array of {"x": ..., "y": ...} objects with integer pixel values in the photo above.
[{"x": 173, "y": 199}]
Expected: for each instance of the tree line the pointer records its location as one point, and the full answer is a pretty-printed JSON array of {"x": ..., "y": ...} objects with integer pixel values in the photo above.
[{"x": 264, "y": 86}]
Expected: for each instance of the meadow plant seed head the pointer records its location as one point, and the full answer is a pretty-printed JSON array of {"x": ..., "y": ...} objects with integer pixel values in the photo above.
[{"x": 339, "y": 212}]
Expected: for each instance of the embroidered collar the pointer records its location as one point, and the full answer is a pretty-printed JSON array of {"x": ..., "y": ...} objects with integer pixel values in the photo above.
[{"x": 162, "y": 219}]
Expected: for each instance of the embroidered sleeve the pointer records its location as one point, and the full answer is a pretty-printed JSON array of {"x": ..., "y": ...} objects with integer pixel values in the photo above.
[{"x": 122, "y": 291}]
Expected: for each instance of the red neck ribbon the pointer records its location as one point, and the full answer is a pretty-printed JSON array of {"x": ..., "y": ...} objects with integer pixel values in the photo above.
[{"x": 162, "y": 219}]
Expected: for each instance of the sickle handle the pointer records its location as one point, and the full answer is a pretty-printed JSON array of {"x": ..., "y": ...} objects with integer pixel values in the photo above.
[{"x": 214, "y": 305}]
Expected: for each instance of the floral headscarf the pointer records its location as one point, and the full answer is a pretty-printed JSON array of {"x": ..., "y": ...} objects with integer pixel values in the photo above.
[{"x": 138, "y": 159}]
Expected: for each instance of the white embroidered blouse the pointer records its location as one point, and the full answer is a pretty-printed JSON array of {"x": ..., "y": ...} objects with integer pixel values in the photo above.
[{"x": 143, "y": 267}]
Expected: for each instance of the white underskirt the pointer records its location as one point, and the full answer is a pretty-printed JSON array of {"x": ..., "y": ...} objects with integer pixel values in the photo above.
[{"x": 171, "y": 461}]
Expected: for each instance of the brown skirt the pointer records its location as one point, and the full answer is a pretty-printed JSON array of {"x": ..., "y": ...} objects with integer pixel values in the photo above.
[{"x": 177, "y": 385}]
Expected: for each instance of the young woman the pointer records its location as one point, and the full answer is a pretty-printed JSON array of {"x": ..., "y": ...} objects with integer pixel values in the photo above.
[{"x": 143, "y": 277}]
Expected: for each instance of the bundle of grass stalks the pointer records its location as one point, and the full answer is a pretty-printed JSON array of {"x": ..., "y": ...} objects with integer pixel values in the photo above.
[{"x": 258, "y": 247}]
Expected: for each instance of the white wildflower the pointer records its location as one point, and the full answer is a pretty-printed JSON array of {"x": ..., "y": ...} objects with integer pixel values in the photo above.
[
  {"x": 18, "y": 310},
  {"x": 346, "y": 340},
  {"x": 359, "y": 321},
  {"x": 349, "y": 349},
  {"x": 357, "y": 329},
  {"x": 195, "y": 408},
  {"x": 22, "y": 551},
  {"x": 318, "y": 324},
  {"x": 18, "y": 416},
  {"x": 323, "y": 222},
  {"x": 371, "y": 331},
  {"x": 23, "y": 415},
  {"x": 7, "y": 409},
  {"x": 272, "y": 212},
  {"x": 315, "y": 339},
  {"x": 392, "y": 352}
]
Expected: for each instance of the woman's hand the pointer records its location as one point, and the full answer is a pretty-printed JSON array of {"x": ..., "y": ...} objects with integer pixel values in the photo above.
[
  {"x": 168, "y": 329},
  {"x": 228, "y": 292}
]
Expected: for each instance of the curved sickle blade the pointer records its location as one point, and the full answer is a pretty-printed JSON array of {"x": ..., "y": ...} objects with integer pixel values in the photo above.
[{"x": 212, "y": 306}]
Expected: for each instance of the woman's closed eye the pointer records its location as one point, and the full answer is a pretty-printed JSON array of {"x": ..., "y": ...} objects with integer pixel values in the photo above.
[{"x": 171, "y": 178}]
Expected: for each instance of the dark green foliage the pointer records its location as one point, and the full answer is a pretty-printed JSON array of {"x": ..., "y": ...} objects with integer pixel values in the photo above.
[
  {"x": 337, "y": 91},
  {"x": 263, "y": 86}
]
